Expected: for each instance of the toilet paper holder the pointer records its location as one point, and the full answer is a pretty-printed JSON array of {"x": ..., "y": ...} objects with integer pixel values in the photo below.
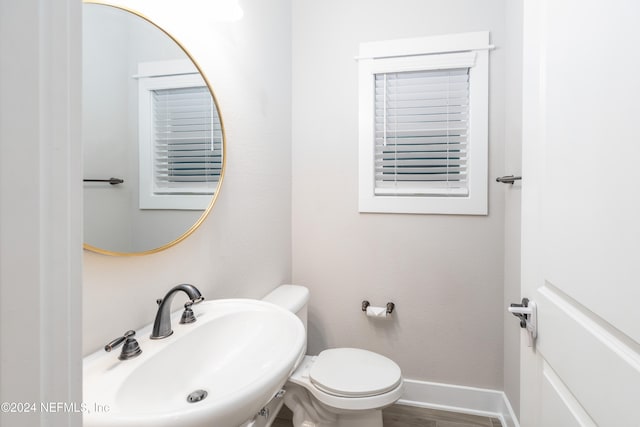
[{"x": 390, "y": 306}]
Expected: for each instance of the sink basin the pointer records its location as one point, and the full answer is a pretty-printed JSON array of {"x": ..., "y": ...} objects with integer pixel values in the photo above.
[{"x": 239, "y": 351}]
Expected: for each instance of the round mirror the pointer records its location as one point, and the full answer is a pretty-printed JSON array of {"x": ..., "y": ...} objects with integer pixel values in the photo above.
[{"x": 152, "y": 135}]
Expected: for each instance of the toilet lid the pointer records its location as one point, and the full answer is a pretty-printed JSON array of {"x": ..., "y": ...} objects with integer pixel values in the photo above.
[{"x": 352, "y": 372}]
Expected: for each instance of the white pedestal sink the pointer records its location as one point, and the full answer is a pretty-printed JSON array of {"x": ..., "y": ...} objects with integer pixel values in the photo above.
[{"x": 239, "y": 351}]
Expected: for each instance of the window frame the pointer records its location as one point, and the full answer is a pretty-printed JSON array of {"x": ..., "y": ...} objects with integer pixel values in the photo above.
[{"x": 427, "y": 53}]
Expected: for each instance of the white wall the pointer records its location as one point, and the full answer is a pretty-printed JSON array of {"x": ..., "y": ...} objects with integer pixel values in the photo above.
[
  {"x": 243, "y": 249},
  {"x": 445, "y": 273},
  {"x": 104, "y": 130}
]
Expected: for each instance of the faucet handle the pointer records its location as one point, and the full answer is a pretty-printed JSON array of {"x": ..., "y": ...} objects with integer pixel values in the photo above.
[
  {"x": 130, "y": 349},
  {"x": 187, "y": 314},
  {"x": 116, "y": 342}
]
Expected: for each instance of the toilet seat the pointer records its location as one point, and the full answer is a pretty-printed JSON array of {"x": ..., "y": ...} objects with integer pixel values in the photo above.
[
  {"x": 333, "y": 377},
  {"x": 352, "y": 372}
]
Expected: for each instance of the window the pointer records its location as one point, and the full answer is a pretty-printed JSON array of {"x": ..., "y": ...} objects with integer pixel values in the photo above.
[
  {"x": 423, "y": 125},
  {"x": 180, "y": 138}
]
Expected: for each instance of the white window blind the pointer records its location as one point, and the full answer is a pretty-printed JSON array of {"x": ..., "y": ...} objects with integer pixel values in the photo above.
[
  {"x": 421, "y": 127},
  {"x": 180, "y": 137},
  {"x": 187, "y": 139}
]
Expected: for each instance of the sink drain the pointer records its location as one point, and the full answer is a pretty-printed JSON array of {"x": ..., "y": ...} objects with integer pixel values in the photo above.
[{"x": 196, "y": 396}]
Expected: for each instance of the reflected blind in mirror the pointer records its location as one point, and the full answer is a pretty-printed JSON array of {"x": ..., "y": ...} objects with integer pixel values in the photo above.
[
  {"x": 187, "y": 141},
  {"x": 421, "y": 127}
]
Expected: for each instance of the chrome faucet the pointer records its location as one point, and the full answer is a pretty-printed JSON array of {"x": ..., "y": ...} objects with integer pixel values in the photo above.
[{"x": 162, "y": 324}]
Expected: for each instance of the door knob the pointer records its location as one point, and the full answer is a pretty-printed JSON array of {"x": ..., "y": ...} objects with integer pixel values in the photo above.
[{"x": 527, "y": 313}]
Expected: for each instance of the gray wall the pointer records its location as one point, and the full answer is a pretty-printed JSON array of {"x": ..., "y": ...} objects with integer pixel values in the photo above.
[
  {"x": 243, "y": 249},
  {"x": 445, "y": 273},
  {"x": 513, "y": 165}
]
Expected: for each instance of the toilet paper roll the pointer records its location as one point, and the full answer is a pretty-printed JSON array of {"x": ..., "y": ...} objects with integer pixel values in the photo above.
[{"x": 377, "y": 311}]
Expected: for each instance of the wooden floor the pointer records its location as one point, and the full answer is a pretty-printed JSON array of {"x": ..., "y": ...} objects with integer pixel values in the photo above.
[{"x": 409, "y": 416}]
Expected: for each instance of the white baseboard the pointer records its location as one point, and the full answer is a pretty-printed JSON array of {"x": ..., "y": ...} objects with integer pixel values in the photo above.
[{"x": 455, "y": 398}]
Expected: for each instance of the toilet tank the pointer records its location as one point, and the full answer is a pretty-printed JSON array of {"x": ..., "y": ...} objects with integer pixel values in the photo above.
[{"x": 291, "y": 297}]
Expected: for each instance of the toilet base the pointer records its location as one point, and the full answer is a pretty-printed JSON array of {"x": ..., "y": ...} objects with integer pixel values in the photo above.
[{"x": 309, "y": 412}]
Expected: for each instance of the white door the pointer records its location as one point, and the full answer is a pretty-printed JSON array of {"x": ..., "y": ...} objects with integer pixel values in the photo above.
[
  {"x": 40, "y": 213},
  {"x": 581, "y": 212}
]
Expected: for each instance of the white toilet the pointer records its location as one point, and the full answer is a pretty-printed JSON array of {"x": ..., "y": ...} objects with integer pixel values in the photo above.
[{"x": 341, "y": 387}]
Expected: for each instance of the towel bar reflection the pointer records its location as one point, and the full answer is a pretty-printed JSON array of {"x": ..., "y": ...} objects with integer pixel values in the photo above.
[
  {"x": 112, "y": 181},
  {"x": 508, "y": 179}
]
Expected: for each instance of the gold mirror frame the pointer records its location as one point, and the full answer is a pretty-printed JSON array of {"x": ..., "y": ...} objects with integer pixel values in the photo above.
[{"x": 205, "y": 214}]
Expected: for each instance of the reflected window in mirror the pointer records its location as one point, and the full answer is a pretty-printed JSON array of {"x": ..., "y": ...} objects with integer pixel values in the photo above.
[{"x": 180, "y": 137}]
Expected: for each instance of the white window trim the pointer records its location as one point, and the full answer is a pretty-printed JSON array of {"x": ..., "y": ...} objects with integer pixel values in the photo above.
[
  {"x": 423, "y": 54},
  {"x": 152, "y": 76}
]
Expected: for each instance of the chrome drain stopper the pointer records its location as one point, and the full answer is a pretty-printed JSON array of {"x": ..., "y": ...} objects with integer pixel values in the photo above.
[{"x": 196, "y": 396}]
